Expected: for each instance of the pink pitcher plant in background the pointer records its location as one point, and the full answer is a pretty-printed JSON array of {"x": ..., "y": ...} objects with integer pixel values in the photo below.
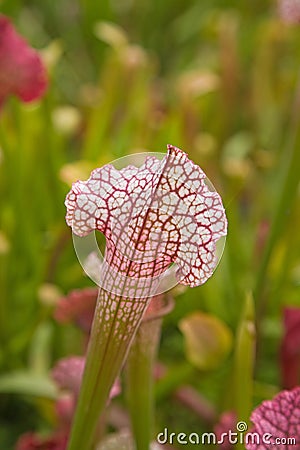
[
  {"x": 162, "y": 223},
  {"x": 22, "y": 72},
  {"x": 276, "y": 423}
]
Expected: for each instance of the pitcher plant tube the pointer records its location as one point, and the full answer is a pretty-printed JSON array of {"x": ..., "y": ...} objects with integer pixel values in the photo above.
[{"x": 162, "y": 223}]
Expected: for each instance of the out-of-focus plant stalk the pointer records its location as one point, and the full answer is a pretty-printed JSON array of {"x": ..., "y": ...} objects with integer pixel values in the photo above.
[
  {"x": 139, "y": 372},
  {"x": 244, "y": 361},
  {"x": 287, "y": 191}
]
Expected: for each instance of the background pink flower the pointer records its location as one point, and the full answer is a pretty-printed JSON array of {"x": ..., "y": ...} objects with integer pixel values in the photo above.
[{"x": 22, "y": 72}]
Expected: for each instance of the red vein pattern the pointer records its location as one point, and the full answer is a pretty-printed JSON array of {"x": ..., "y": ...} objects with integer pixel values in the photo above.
[
  {"x": 152, "y": 216},
  {"x": 280, "y": 419}
]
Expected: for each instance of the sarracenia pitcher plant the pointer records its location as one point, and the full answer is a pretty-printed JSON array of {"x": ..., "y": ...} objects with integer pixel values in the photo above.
[{"x": 161, "y": 222}]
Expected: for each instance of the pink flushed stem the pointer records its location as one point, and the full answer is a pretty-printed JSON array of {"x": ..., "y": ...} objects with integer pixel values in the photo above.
[{"x": 112, "y": 333}]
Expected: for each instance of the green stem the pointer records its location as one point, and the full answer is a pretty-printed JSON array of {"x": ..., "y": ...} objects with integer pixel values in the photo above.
[
  {"x": 139, "y": 379},
  {"x": 112, "y": 333}
]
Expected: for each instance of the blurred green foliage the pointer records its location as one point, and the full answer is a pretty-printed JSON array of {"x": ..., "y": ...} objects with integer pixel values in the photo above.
[{"x": 218, "y": 79}]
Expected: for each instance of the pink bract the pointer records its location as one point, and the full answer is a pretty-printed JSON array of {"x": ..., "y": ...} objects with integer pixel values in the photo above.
[
  {"x": 277, "y": 418},
  {"x": 160, "y": 213},
  {"x": 22, "y": 72}
]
